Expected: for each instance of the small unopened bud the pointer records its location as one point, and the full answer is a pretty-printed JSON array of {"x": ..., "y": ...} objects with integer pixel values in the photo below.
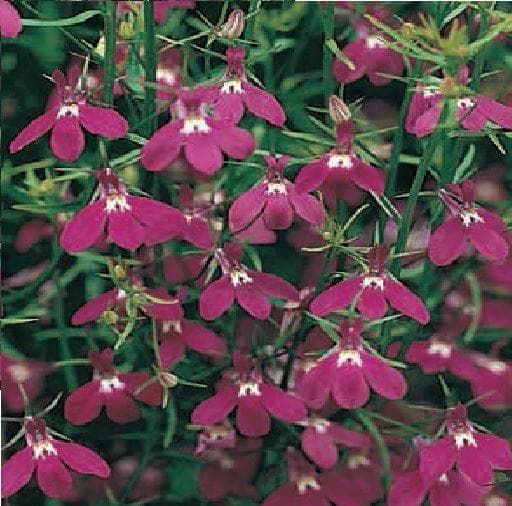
[
  {"x": 100, "y": 47},
  {"x": 338, "y": 110},
  {"x": 46, "y": 186},
  {"x": 233, "y": 27},
  {"x": 167, "y": 379},
  {"x": 109, "y": 317},
  {"x": 119, "y": 272}
]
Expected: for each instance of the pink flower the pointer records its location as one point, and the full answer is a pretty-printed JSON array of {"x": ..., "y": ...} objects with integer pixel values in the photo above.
[
  {"x": 249, "y": 288},
  {"x": 320, "y": 439},
  {"x": 66, "y": 117},
  {"x": 10, "y": 21},
  {"x": 276, "y": 199},
  {"x": 202, "y": 137},
  {"x": 346, "y": 371},
  {"x": 27, "y": 373},
  {"x": 195, "y": 229},
  {"x": 467, "y": 221},
  {"x": 371, "y": 57},
  {"x": 180, "y": 269},
  {"x": 254, "y": 400},
  {"x": 371, "y": 291},
  {"x": 235, "y": 93},
  {"x": 131, "y": 221},
  {"x": 30, "y": 233},
  {"x": 47, "y": 457},
  {"x": 168, "y": 73},
  {"x": 474, "y": 453},
  {"x": 113, "y": 389},
  {"x": 473, "y": 112},
  {"x": 176, "y": 335},
  {"x": 340, "y": 167}
]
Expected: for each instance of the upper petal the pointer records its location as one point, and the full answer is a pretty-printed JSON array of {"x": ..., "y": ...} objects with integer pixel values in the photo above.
[
  {"x": 103, "y": 121},
  {"x": 10, "y": 21},
  {"x": 201, "y": 339}
]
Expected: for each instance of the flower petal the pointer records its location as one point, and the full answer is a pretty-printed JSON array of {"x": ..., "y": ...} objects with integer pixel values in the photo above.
[
  {"x": 356, "y": 53},
  {"x": 253, "y": 301},
  {"x": 494, "y": 111},
  {"x": 216, "y": 408},
  {"x": 124, "y": 230},
  {"x": 349, "y": 387},
  {"x": 246, "y": 208},
  {"x": 471, "y": 463},
  {"x": 437, "y": 458},
  {"x": 347, "y": 437},
  {"x": 385, "y": 380},
  {"x": 278, "y": 213},
  {"x": 216, "y": 298},
  {"x": 201, "y": 339},
  {"x": 202, "y": 152},
  {"x": 282, "y": 405},
  {"x": 120, "y": 407},
  {"x": 10, "y": 21},
  {"x": 307, "y": 207},
  {"x": 338, "y": 296},
  {"x": 405, "y": 301},
  {"x": 312, "y": 175},
  {"x": 371, "y": 303},
  {"x": 198, "y": 233},
  {"x": 447, "y": 242},
  {"x": 251, "y": 418},
  {"x": 81, "y": 459},
  {"x": 93, "y": 309},
  {"x": 229, "y": 107},
  {"x": 102, "y": 121},
  {"x": 426, "y": 123},
  {"x": 234, "y": 141},
  {"x": 151, "y": 394},
  {"x": 488, "y": 242},
  {"x": 162, "y": 148},
  {"x": 16, "y": 472},
  {"x": 53, "y": 478},
  {"x": 263, "y": 104},
  {"x": 83, "y": 404},
  {"x": 314, "y": 385},
  {"x": 319, "y": 447},
  {"x": 35, "y": 129},
  {"x": 171, "y": 349},
  {"x": 274, "y": 285},
  {"x": 367, "y": 176},
  {"x": 407, "y": 489},
  {"x": 495, "y": 449},
  {"x": 67, "y": 139}
]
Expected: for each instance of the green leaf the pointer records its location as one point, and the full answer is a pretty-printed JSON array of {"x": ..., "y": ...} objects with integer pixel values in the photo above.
[
  {"x": 465, "y": 164},
  {"x": 74, "y": 20}
]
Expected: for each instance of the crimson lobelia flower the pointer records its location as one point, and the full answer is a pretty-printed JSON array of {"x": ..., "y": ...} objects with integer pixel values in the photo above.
[
  {"x": 27, "y": 373},
  {"x": 253, "y": 398},
  {"x": 341, "y": 166},
  {"x": 320, "y": 439},
  {"x": 346, "y": 370},
  {"x": 249, "y": 288},
  {"x": 370, "y": 56},
  {"x": 47, "y": 457},
  {"x": 235, "y": 92},
  {"x": 371, "y": 291},
  {"x": 276, "y": 199},
  {"x": 10, "y": 21},
  {"x": 113, "y": 389},
  {"x": 65, "y": 119},
  {"x": 473, "y": 112},
  {"x": 195, "y": 230},
  {"x": 131, "y": 221},
  {"x": 202, "y": 137},
  {"x": 474, "y": 453},
  {"x": 467, "y": 221}
]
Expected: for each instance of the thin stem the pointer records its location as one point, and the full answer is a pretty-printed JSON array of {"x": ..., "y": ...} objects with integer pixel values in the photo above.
[
  {"x": 328, "y": 26},
  {"x": 109, "y": 67},
  {"x": 149, "y": 68}
]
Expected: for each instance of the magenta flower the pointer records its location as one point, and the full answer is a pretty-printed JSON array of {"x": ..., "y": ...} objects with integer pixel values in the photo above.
[
  {"x": 195, "y": 230},
  {"x": 467, "y": 221},
  {"x": 202, "y": 137},
  {"x": 30, "y": 233},
  {"x": 254, "y": 400},
  {"x": 27, "y": 373},
  {"x": 340, "y": 167},
  {"x": 10, "y": 21},
  {"x": 371, "y": 57},
  {"x": 162, "y": 8},
  {"x": 176, "y": 335},
  {"x": 276, "y": 199},
  {"x": 115, "y": 390},
  {"x": 473, "y": 112},
  {"x": 235, "y": 93},
  {"x": 130, "y": 221},
  {"x": 320, "y": 439},
  {"x": 49, "y": 458},
  {"x": 346, "y": 371},
  {"x": 168, "y": 77},
  {"x": 66, "y": 117},
  {"x": 249, "y": 288},
  {"x": 371, "y": 291},
  {"x": 474, "y": 453}
]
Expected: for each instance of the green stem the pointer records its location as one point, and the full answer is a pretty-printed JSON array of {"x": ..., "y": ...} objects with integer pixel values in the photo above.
[
  {"x": 328, "y": 26},
  {"x": 480, "y": 57},
  {"x": 149, "y": 68},
  {"x": 109, "y": 67}
]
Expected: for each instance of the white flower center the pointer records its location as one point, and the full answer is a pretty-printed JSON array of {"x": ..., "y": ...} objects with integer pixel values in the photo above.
[
  {"x": 108, "y": 385},
  {"x": 470, "y": 217},
  {"x": 68, "y": 110},
  {"x": 170, "y": 325},
  {"x": 464, "y": 439},
  {"x": 195, "y": 126},
  {"x": 320, "y": 425},
  {"x": 495, "y": 500},
  {"x": 339, "y": 162},
  {"x": 249, "y": 388},
  {"x": 19, "y": 373},
  {"x": 358, "y": 460},
  {"x": 306, "y": 481},
  {"x": 350, "y": 357},
  {"x": 116, "y": 203},
  {"x": 166, "y": 75},
  {"x": 437, "y": 348},
  {"x": 232, "y": 87},
  {"x": 465, "y": 103},
  {"x": 429, "y": 93},
  {"x": 493, "y": 365},
  {"x": 43, "y": 448},
  {"x": 374, "y": 42},
  {"x": 276, "y": 189},
  {"x": 239, "y": 276},
  {"x": 373, "y": 282},
  {"x": 444, "y": 479}
]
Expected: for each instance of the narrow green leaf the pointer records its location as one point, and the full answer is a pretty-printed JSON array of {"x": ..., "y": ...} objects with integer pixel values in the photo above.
[{"x": 74, "y": 20}]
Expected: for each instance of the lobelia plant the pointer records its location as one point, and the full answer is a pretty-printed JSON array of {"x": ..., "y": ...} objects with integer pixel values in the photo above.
[{"x": 326, "y": 326}]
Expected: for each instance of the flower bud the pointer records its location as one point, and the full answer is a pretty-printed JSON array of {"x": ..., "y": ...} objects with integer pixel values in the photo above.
[
  {"x": 167, "y": 379},
  {"x": 233, "y": 27},
  {"x": 338, "y": 110},
  {"x": 408, "y": 31},
  {"x": 109, "y": 317},
  {"x": 119, "y": 272}
]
